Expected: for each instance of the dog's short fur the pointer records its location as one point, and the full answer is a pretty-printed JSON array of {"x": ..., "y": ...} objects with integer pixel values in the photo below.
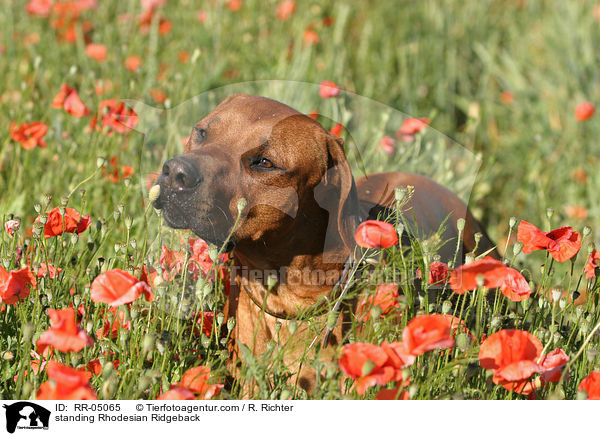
[{"x": 303, "y": 207}]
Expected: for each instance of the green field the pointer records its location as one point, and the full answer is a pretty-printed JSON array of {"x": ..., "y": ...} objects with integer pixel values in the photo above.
[{"x": 499, "y": 80}]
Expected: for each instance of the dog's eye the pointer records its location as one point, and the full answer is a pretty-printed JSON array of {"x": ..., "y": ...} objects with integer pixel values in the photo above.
[
  {"x": 199, "y": 134},
  {"x": 262, "y": 163},
  {"x": 265, "y": 163}
]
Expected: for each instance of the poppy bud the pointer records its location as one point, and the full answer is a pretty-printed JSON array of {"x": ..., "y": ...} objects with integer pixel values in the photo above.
[
  {"x": 591, "y": 355},
  {"x": 116, "y": 215},
  {"x": 549, "y": 213},
  {"x": 213, "y": 253},
  {"x": 446, "y": 307},
  {"x": 368, "y": 367},
  {"x": 241, "y": 205},
  {"x": 144, "y": 382},
  {"x": 27, "y": 330},
  {"x": 462, "y": 341},
  {"x": 128, "y": 222},
  {"x": 517, "y": 248},
  {"x": 220, "y": 318},
  {"x": 26, "y": 390},
  {"x": 195, "y": 55},
  {"x": 154, "y": 193},
  {"x": 148, "y": 343},
  {"x": 399, "y": 194},
  {"x": 100, "y": 161},
  {"x": 37, "y": 207},
  {"x": 460, "y": 224},
  {"x": 332, "y": 319},
  {"x": 293, "y": 325},
  {"x": 108, "y": 389},
  {"x": 230, "y": 324},
  {"x": 133, "y": 244},
  {"x": 75, "y": 359},
  {"x": 512, "y": 222},
  {"x": 8, "y": 355},
  {"x": 205, "y": 341},
  {"x": 271, "y": 282},
  {"x": 412, "y": 391},
  {"x": 107, "y": 369},
  {"x": 496, "y": 322},
  {"x": 477, "y": 236}
]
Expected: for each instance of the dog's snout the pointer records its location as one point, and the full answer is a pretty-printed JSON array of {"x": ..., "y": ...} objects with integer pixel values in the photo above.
[{"x": 180, "y": 173}]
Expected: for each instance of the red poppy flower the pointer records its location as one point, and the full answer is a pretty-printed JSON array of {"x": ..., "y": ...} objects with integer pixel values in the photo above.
[
  {"x": 310, "y": 37},
  {"x": 438, "y": 273},
  {"x": 117, "y": 117},
  {"x": 576, "y": 212},
  {"x": 427, "y": 332},
  {"x": 388, "y": 144},
  {"x": 148, "y": 275},
  {"x": 117, "y": 287},
  {"x": 46, "y": 270},
  {"x": 133, "y": 62},
  {"x": 410, "y": 127},
  {"x": 67, "y": 384},
  {"x": 458, "y": 326},
  {"x": 562, "y": 243},
  {"x": 464, "y": 278},
  {"x": 513, "y": 356},
  {"x": 40, "y": 8},
  {"x": 71, "y": 223},
  {"x": 370, "y": 365},
  {"x": 591, "y": 265},
  {"x": 386, "y": 298},
  {"x": 177, "y": 394},
  {"x": 515, "y": 286},
  {"x": 113, "y": 323},
  {"x": 94, "y": 366},
  {"x": 376, "y": 234},
  {"x": 234, "y": 5},
  {"x": 396, "y": 393},
  {"x": 591, "y": 385},
  {"x": 202, "y": 16},
  {"x": 152, "y": 4},
  {"x": 64, "y": 334},
  {"x": 15, "y": 285},
  {"x": 552, "y": 364},
  {"x": 204, "y": 320},
  {"x": 30, "y": 135},
  {"x": 11, "y": 226},
  {"x": 507, "y": 97},
  {"x": 285, "y": 10},
  {"x": 196, "y": 380},
  {"x": 584, "y": 111},
  {"x": 337, "y": 129},
  {"x": 173, "y": 261},
  {"x": 116, "y": 173},
  {"x": 68, "y": 99},
  {"x": 329, "y": 89},
  {"x": 313, "y": 114},
  {"x": 97, "y": 52},
  {"x": 158, "y": 95}
]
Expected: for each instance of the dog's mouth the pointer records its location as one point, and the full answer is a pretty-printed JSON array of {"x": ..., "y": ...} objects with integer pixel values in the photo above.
[{"x": 182, "y": 210}]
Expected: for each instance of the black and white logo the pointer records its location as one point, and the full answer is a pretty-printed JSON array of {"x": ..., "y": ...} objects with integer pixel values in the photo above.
[{"x": 26, "y": 415}]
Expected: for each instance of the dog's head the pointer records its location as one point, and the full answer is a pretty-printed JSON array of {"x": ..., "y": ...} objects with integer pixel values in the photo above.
[{"x": 287, "y": 168}]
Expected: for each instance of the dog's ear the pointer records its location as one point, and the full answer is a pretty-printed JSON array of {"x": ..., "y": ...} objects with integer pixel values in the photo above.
[{"x": 343, "y": 204}]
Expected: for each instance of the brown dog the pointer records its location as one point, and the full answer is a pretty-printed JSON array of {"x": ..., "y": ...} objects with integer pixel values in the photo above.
[{"x": 303, "y": 207}]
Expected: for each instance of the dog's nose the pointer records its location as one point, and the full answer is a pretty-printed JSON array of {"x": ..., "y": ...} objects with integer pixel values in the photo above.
[{"x": 180, "y": 173}]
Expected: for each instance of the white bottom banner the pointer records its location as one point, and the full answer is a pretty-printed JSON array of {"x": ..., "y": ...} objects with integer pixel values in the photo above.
[{"x": 298, "y": 417}]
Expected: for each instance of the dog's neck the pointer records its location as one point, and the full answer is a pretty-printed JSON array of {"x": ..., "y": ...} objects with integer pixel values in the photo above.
[{"x": 288, "y": 273}]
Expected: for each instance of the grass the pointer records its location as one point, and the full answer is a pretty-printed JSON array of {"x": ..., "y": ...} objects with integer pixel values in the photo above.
[{"x": 449, "y": 61}]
